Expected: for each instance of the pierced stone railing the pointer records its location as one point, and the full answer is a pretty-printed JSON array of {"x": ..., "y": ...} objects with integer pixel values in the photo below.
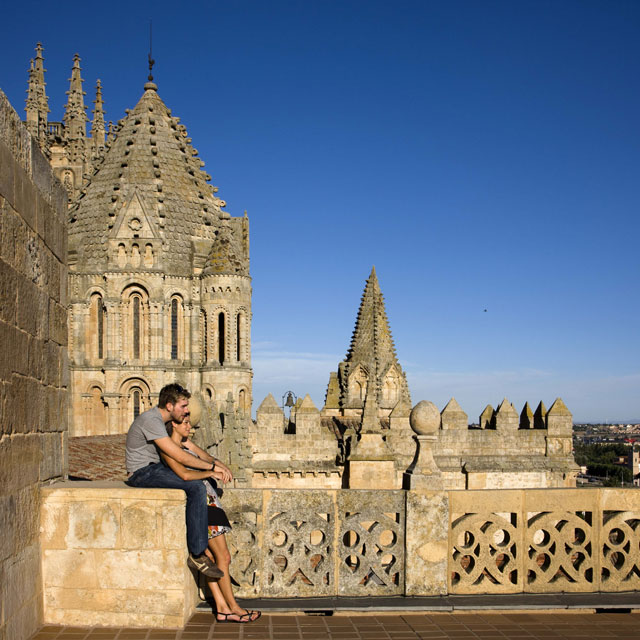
[
  {"x": 544, "y": 541},
  {"x": 292, "y": 542},
  {"x": 363, "y": 543}
]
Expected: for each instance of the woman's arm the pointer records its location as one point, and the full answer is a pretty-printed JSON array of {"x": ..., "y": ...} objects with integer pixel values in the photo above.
[
  {"x": 227, "y": 476},
  {"x": 201, "y": 453},
  {"x": 189, "y": 474}
]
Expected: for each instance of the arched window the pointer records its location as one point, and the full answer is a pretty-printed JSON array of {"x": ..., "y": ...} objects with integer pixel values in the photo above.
[
  {"x": 221, "y": 332},
  {"x": 96, "y": 335},
  {"x": 238, "y": 337},
  {"x": 203, "y": 336},
  {"x": 136, "y": 326},
  {"x": 136, "y": 403},
  {"x": 100, "y": 323},
  {"x": 135, "y": 399},
  {"x": 242, "y": 400},
  {"x": 97, "y": 413},
  {"x": 174, "y": 329}
]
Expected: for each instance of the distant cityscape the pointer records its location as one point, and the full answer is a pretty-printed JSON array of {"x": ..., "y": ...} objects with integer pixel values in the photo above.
[
  {"x": 607, "y": 454},
  {"x": 606, "y": 432}
]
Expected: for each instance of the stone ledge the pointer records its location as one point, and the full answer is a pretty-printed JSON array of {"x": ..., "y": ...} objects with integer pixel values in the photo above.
[{"x": 98, "y": 489}]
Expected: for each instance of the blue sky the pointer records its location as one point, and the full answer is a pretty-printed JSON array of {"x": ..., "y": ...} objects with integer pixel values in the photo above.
[{"x": 482, "y": 155}]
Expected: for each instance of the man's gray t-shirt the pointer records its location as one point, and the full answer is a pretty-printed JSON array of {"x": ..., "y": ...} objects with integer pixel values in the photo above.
[{"x": 140, "y": 450}]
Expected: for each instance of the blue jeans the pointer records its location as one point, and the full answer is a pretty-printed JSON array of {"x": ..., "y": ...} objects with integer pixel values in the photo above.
[{"x": 158, "y": 476}]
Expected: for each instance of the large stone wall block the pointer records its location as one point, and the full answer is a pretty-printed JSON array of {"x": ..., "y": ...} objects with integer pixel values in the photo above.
[
  {"x": 141, "y": 524},
  {"x": 25, "y": 197},
  {"x": 94, "y": 525},
  {"x": 427, "y": 542},
  {"x": 26, "y": 620},
  {"x": 77, "y": 567},
  {"x": 121, "y": 569},
  {"x": 20, "y": 463},
  {"x": 41, "y": 173},
  {"x": 172, "y": 528},
  {"x": 6, "y": 174},
  {"x": 8, "y": 293},
  {"x": 54, "y": 524},
  {"x": 52, "y": 463},
  {"x": 83, "y": 599}
]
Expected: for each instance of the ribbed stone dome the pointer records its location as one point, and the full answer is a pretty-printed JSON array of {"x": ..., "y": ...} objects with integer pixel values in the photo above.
[{"x": 150, "y": 161}]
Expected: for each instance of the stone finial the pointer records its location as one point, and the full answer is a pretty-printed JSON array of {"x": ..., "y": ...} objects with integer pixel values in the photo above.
[
  {"x": 540, "y": 416},
  {"x": 558, "y": 408},
  {"x": 506, "y": 416},
  {"x": 487, "y": 418},
  {"x": 526, "y": 417},
  {"x": 269, "y": 405},
  {"x": 425, "y": 418},
  {"x": 559, "y": 419},
  {"x": 97, "y": 126},
  {"x": 307, "y": 406},
  {"x": 453, "y": 417},
  {"x": 332, "y": 398}
]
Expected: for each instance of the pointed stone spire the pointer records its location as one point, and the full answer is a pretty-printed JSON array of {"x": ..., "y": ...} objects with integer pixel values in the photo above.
[
  {"x": 506, "y": 416},
  {"x": 487, "y": 418},
  {"x": 37, "y": 102},
  {"x": 453, "y": 417},
  {"x": 540, "y": 416},
  {"x": 526, "y": 417},
  {"x": 75, "y": 117},
  {"x": 371, "y": 364},
  {"x": 97, "y": 126}
]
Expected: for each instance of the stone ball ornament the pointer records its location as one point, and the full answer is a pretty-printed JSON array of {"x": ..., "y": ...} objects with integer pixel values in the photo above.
[
  {"x": 195, "y": 410},
  {"x": 425, "y": 418}
]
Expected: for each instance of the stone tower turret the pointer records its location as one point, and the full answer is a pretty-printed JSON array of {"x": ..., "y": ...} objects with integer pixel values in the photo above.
[
  {"x": 158, "y": 277},
  {"x": 226, "y": 315},
  {"x": 371, "y": 363}
]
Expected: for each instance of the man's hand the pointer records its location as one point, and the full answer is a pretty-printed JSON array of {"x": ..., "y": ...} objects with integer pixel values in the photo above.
[{"x": 227, "y": 476}]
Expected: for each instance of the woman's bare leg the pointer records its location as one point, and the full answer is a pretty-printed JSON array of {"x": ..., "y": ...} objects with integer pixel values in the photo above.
[{"x": 223, "y": 559}]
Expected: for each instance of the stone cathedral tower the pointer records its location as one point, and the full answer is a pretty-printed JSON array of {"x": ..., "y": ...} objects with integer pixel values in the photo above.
[
  {"x": 371, "y": 371},
  {"x": 159, "y": 284}
]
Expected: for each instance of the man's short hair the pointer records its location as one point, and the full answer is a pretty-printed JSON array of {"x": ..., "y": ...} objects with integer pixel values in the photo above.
[{"x": 171, "y": 393}]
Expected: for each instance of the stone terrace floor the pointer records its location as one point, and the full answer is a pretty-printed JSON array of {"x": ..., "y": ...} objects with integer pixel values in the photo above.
[{"x": 389, "y": 626}]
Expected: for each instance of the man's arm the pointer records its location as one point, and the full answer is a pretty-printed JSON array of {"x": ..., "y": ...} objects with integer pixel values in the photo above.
[
  {"x": 172, "y": 450},
  {"x": 227, "y": 476}
]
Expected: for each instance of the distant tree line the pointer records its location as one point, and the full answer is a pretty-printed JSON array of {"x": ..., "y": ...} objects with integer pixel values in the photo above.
[{"x": 600, "y": 461}]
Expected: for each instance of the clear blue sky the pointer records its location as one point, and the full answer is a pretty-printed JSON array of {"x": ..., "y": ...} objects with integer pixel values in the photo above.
[{"x": 483, "y": 155}]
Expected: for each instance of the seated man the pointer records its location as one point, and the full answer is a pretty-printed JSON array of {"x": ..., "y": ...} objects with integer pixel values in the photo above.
[{"x": 146, "y": 436}]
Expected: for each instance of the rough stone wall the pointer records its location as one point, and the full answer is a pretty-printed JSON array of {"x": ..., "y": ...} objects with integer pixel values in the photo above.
[
  {"x": 115, "y": 556},
  {"x": 33, "y": 363}
]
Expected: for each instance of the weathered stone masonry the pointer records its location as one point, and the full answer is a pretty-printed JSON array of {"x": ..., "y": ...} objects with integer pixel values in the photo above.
[{"x": 33, "y": 363}]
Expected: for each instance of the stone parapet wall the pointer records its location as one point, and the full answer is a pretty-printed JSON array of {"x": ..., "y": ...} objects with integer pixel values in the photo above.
[
  {"x": 288, "y": 543},
  {"x": 33, "y": 364},
  {"x": 544, "y": 541},
  {"x": 115, "y": 556}
]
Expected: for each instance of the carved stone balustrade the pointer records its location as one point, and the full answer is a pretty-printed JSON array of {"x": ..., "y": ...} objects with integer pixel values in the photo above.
[{"x": 126, "y": 546}]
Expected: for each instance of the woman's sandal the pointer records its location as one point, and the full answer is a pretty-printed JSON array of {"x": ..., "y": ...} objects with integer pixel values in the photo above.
[{"x": 242, "y": 618}]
